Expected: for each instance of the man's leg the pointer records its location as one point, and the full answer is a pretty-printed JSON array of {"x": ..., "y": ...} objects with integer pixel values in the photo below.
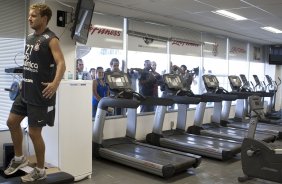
[
  {"x": 39, "y": 145},
  {"x": 14, "y": 124},
  {"x": 38, "y": 172},
  {"x": 19, "y": 160}
]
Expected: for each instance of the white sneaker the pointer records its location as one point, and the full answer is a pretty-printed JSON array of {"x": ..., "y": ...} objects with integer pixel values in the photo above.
[
  {"x": 34, "y": 175},
  {"x": 14, "y": 166}
]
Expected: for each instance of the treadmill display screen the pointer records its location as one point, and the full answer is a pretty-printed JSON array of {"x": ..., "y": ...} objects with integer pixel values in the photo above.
[
  {"x": 119, "y": 81},
  {"x": 235, "y": 81},
  {"x": 211, "y": 81},
  {"x": 173, "y": 82},
  {"x": 256, "y": 79},
  {"x": 244, "y": 79},
  {"x": 269, "y": 80}
]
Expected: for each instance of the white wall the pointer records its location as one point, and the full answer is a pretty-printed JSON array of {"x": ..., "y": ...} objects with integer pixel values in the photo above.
[
  {"x": 117, "y": 127},
  {"x": 64, "y": 33}
]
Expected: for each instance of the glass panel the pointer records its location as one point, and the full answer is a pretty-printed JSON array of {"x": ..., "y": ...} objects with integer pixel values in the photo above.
[{"x": 138, "y": 52}]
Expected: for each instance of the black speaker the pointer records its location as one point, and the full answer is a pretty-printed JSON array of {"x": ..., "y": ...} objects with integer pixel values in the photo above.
[
  {"x": 8, "y": 154},
  {"x": 61, "y": 18}
]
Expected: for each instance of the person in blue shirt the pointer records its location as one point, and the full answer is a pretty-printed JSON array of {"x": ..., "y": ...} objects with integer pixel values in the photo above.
[{"x": 100, "y": 89}]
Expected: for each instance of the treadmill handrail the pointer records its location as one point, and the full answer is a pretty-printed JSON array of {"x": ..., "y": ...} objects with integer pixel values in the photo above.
[
  {"x": 106, "y": 102},
  {"x": 209, "y": 97},
  {"x": 185, "y": 99},
  {"x": 157, "y": 101}
]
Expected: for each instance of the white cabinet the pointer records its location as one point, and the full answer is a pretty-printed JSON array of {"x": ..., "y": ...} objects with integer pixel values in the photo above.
[{"x": 69, "y": 142}]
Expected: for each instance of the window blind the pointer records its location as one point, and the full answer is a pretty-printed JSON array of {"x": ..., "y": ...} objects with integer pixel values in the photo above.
[{"x": 12, "y": 39}]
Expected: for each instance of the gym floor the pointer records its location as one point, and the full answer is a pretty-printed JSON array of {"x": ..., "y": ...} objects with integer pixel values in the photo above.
[{"x": 209, "y": 171}]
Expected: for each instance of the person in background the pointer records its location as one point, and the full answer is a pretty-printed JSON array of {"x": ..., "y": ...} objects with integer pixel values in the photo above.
[
  {"x": 92, "y": 72},
  {"x": 114, "y": 64},
  {"x": 134, "y": 75},
  {"x": 146, "y": 85},
  {"x": 80, "y": 73},
  {"x": 100, "y": 89},
  {"x": 43, "y": 69},
  {"x": 158, "y": 78},
  {"x": 187, "y": 76}
]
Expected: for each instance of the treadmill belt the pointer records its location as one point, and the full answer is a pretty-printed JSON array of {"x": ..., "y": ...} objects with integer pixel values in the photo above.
[
  {"x": 150, "y": 154},
  {"x": 260, "y": 126},
  {"x": 206, "y": 142},
  {"x": 239, "y": 133}
]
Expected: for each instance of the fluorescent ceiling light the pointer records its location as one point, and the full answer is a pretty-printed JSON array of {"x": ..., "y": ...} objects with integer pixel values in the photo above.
[
  {"x": 271, "y": 29},
  {"x": 154, "y": 23},
  {"x": 108, "y": 27},
  {"x": 210, "y": 43},
  {"x": 209, "y": 51},
  {"x": 158, "y": 45},
  {"x": 229, "y": 15}
]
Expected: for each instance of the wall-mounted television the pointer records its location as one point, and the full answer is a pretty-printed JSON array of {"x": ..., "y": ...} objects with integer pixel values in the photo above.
[
  {"x": 275, "y": 55},
  {"x": 82, "y": 20}
]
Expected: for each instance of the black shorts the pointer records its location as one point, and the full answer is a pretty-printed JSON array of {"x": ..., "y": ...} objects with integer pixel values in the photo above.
[{"x": 38, "y": 116}]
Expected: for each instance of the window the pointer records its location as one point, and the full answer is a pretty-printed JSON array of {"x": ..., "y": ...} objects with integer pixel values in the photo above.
[
  {"x": 238, "y": 63},
  {"x": 12, "y": 36},
  {"x": 214, "y": 58}
]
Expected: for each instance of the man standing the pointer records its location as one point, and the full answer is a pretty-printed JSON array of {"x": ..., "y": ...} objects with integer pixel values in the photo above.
[
  {"x": 44, "y": 67},
  {"x": 146, "y": 85},
  {"x": 158, "y": 78}
]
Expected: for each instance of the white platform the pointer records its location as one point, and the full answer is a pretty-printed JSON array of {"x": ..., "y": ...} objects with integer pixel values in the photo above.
[{"x": 69, "y": 142}]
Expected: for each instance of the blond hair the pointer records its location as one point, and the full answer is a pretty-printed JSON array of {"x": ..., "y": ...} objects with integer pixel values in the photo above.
[{"x": 44, "y": 10}]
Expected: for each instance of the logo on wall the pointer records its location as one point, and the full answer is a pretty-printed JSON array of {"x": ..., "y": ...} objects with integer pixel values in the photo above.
[
  {"x": 104, "y": 31},
  {"x": 148, "y": 40},
  {"x": 237, "y": 50},
  {"x": 184, "y": 43}
]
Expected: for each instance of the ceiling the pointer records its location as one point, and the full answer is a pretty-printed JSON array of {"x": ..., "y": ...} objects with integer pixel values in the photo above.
[{"x": 197, "y": 14}]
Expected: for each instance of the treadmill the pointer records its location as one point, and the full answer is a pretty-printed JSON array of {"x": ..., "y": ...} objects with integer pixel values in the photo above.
[
  {"x": 263, "y": 94},
  {"x": 179, "y": 139},
  {"x": 272, "y": 87},
  {"x": 126, "y": 150},
  {"x": 239, "y": 120},
  {"x": 215, "y": 129}
]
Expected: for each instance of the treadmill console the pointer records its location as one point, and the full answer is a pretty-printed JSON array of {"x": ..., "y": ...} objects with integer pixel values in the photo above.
[
  {"x": 235, "y": 82},
  {"x": 211, "y": 82},
  {"x": 269, "y": 79},
  {"x": 173, "y": 81},
  {"x": 117, "y": 80},
  {"x": 256, "y": 79},
  {"x": 244, "y": 80}
]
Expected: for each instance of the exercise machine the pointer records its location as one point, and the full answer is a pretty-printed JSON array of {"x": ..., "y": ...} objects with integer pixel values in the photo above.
[
  {"x": 126, "y": 150},
  {"x": 215, "y": 129},
  {"x": 272, "y": 87},
  {"x": 178, "y": 138},
  {"x": 262, "y": 117},
  {"x": 259, "y": 159},
  {"x": 239, "y": 120}
]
